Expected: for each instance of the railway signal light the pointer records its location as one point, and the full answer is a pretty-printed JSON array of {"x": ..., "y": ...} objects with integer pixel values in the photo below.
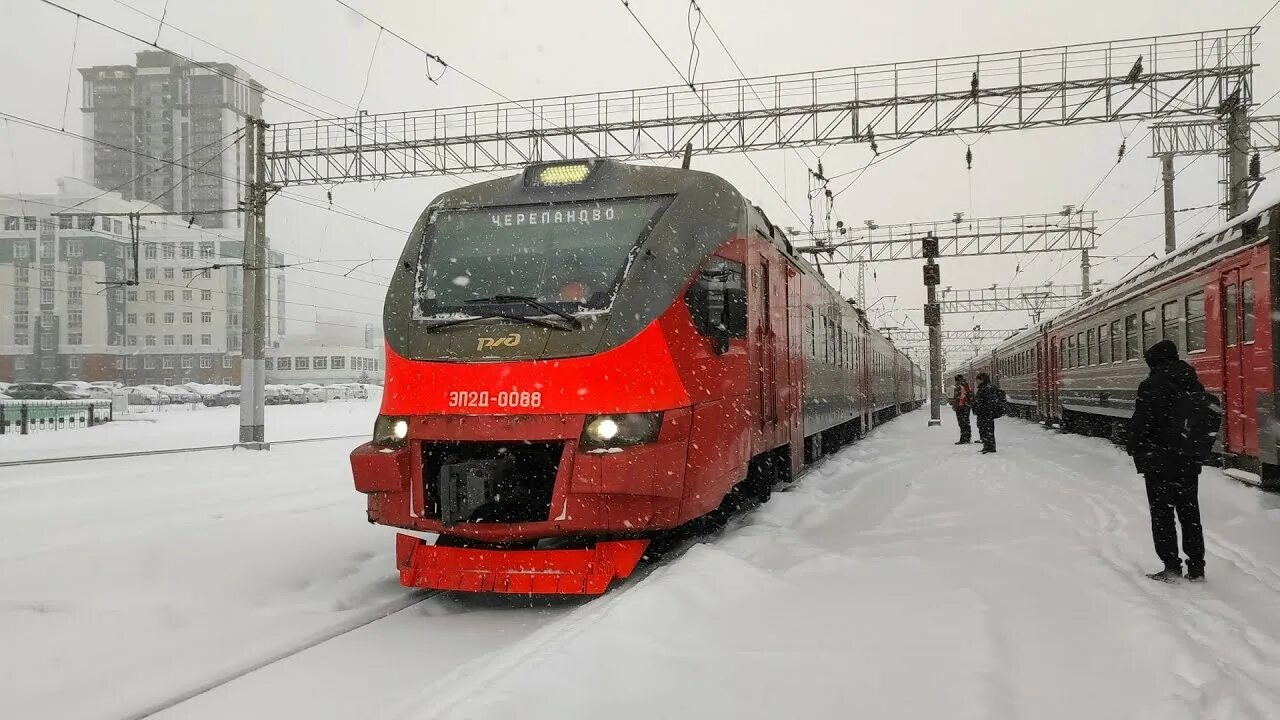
[
  {"x": 932, "y": 315},
  {"x": 929, "y": 246},
  {"x": 932, "y": 275}
]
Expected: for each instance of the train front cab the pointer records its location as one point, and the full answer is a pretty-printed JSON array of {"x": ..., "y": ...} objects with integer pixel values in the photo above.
[{"x": 513, "y": 452}]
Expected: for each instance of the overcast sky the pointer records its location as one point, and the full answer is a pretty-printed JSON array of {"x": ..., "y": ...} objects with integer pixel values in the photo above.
[{"x": 553, "y": 47}]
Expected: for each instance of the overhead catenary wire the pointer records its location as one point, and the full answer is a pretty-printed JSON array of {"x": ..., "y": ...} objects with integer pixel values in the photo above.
[
  {"x": 626, "y": 4},
  {"x": 368, "y": 73},
  {"x": 71, "y": 67},
  {"x": 230, "y": 77},
  {"x": 241, "y": 58}
]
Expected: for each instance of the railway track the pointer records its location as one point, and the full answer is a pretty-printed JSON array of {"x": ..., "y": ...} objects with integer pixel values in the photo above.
[
  {"x": 364, "y": 619},
  {"x": 169, "y": 451}
]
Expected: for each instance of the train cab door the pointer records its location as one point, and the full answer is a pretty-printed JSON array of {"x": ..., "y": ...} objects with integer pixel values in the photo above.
[
  {"x": 767, "y": 334},
  {"x": 1233, "y": 402}
]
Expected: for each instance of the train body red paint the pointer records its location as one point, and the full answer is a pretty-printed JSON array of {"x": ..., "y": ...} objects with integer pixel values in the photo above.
[
  {"x": 576, "y": 366},
  {"x": 1216, "y": 299}
]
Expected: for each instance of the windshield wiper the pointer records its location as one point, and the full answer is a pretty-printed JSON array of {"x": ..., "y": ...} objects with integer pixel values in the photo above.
[
  {"x": 531, "y": 302},
  {"x": 518, "y": 318}
]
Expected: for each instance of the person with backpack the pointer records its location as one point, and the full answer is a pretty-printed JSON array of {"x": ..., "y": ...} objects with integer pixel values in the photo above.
[
  {"x": 1172, "y": 431},
  {"x": 961, "y": 399},
  {"x": 988, "y": 404}
]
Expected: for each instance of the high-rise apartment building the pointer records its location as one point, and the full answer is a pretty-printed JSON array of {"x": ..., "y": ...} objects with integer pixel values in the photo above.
[{"x": 162, "y": 111}]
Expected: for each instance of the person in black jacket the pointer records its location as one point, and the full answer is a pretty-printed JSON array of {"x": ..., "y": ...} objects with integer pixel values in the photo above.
[
  {"x": 985, "y": 403},
  {"x": 961, "y": 400},
  {"x": 1172, "y": 478}
]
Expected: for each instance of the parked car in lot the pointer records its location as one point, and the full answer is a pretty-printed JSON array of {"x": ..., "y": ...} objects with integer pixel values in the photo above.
[
  {"x": 318, "y": 393},
  {"x": 40, "y": 391},
  {"x": 205, "y": 391},
  {"x": 97, "y": 392},
  {"x": 109, "y": 384},
  {"x": 223, "y": 399},
  {"x": 297, "y": 395},
  {"x": 146, "y": 396},
  {"x": 175, "y": 394},
  {"x": 356, "y": 391},
  {"x": 181, "y": 394},
  {"x": 75, "y": 387}
]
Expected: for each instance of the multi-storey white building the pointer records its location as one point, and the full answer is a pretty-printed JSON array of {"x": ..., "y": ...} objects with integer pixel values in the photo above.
[
  {"x": 75, "y": 305},
  {"x": 294, "y": 364}
]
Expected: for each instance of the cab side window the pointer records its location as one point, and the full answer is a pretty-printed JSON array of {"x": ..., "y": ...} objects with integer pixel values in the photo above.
[{"x": 718, "y": 299}]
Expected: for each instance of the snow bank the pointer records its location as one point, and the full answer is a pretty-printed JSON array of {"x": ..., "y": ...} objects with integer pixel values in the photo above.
[
  {"x": 128, "y": 580},
  {"x": 177, "y": 426}
]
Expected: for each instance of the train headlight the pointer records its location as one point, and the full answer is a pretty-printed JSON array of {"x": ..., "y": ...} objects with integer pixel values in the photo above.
[
  {"x": 620, "y": 430},
  {"x": 390, "y": 430}
]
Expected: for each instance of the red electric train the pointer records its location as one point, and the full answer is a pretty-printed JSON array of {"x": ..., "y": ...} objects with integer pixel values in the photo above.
[
  {"x": 1215, "y": 298},
  {"x": 590, "y": 353}
]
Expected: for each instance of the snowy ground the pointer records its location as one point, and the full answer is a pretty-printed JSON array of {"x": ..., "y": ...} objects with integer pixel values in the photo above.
[
  {"x": 905, "y": 578},
  {"x": 177, "y": 426}
]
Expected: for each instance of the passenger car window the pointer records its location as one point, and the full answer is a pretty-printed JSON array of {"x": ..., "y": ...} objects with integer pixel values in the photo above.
[
  {"x": 1171, "y": 320},
  {"x": 1131, "y": 349},
  {"x": 1195, "y": 321},
  {"x": 1149, "y": 330},
  {"x": 1229, "y": 315},
  {"x": 1246, "y": 309},
  {"x": 1117, "y": 342}
]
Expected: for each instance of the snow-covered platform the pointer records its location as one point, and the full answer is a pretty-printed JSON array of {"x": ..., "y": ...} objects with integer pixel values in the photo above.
[
  {"x": 905, "y": 578},
  {"x": 179, "y": 426}
]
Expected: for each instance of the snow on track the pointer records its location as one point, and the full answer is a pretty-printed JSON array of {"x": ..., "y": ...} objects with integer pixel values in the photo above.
[
  {"x": 126, "y": 581},
  {"x": 903, "y": 578}
]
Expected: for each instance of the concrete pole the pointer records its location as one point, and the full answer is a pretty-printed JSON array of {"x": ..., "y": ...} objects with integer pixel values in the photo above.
[
  {"x": 1170, "y": 228},
  {"x": 1237, "y": 161},
  {"x": 1085, "y": 289},
  {"x": 254, "y": 272}
]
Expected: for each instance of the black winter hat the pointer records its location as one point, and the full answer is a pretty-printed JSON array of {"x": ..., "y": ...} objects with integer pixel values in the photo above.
[{"x": 1161, "y": 353}]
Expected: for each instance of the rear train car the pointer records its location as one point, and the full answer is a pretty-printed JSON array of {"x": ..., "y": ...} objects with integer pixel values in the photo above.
[
  {"x": 1215, "y": 299},
  {"x": 589, "y": 354}
]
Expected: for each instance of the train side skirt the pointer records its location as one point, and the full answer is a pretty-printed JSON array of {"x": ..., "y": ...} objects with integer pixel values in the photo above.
[{"x": 586, "y": 571}]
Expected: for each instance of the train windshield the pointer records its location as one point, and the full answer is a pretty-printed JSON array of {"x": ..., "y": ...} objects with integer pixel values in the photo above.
[{"x": 572, "y": 256}]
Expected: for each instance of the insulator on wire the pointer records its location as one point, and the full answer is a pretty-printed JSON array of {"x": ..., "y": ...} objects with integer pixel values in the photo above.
[
  {"x": 968, "y": 158},
  {"x": 871, "y": 138},
  {"x": 330, "y": 194},
  {"x": 821, "y": 176},
  {"x": 1120, "y": 154},
  {"x": 973, "y": 86},
  {"x": 1255, "y": 166}
]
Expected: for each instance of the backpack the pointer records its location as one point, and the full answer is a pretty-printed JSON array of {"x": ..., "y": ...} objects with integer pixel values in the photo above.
[
  {"x": 1195, "y": 417},
  {"x": 1002, "y": 403}
]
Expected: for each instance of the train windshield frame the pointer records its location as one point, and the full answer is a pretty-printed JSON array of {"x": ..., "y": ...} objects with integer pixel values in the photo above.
[{"x": 572, "y": 256}]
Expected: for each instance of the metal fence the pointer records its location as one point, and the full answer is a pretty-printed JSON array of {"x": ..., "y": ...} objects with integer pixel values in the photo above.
[{"x": 26, "y": 417}]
